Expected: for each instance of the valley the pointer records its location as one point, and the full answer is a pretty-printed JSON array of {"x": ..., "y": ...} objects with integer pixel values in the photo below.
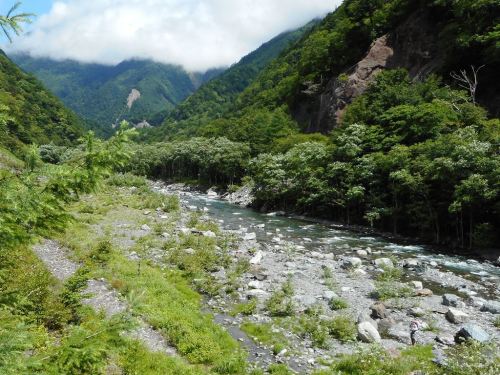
[{"x": 327, "y": 204}]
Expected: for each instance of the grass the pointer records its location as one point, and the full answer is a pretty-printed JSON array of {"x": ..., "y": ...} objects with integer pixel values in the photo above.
[
  {"x": 280, "y": 303},
  {"x": 338, "y": 304},
  {"x": 496, "y": 322},
  {"x": 389, "y": 274},
  {"x": 246, "y": 309},
  {"x": 386, "y": 290},
  {"x": 265, "y": 334}
]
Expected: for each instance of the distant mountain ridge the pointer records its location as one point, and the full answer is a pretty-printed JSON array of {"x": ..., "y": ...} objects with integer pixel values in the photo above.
[{"x": 99, "y": 93}]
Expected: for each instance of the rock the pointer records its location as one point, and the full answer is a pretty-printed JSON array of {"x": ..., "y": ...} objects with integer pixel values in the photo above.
[
  {"x": 329, "y": 295},
  {"x": 491, "y": 307},
  {"x": 424, "y": 293},
  {"x": 276, "y": 239},
  {"x": 433, "y": 263},
  {"x": 445, "y": 340},
  {"x": 209, "y": 234},
  {"x": 146, "y": 228},
  {"x": 165, "y": 235},
  {"x": 451, "y": 300},
  {"x": 359, "y": 272},
  {"x": 383, "y": 263},
  {"x": 471, "y": 332},
  {"x": 146, "y": 213},
  {"x": 417, "y": 285},
  {"x": 456, "y": 316},
  {"x": 255, "y": 284},
  {"x": 365, "y": 317},
  {"x": 440, "y": 358},
  {"x": 282, "y": 353},
  {"x": 189, "y": 251},
  {"x": 378, "y": 310},
  {"x": 257, "y": 258},
  {"x": 250, "y": 237},
  {"x": 257, "y": 293},
  {"x": 185, "y": 230},
  {"x": 361, "y": 253},
  {"x": 399, "y": 333},
  {"x": 411, "y": 263},
  {"x": 262, "y": 226},
  {"x": 368, "y": 333},
  {"x": 385, "y": 325},
  {"x": 306, "y": 300},
  {"x": 212, "y": 193},
  {"x": 416, "y": 312},
  {"x": 352, "y": 262}
]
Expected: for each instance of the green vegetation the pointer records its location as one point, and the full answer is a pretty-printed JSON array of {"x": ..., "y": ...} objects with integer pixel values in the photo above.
[
  {"x": 265, "y": 334},
  {"x": 338, "y": 304},
  {"x": 30, "y": 114},
  {"x": 386, "y": 290},
  {"x": 281, "y": 303},
  {"x": 98, "y": 93}
]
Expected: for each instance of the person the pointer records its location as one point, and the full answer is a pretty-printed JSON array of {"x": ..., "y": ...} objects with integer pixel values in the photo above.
[{"x": 415, "y": 326}]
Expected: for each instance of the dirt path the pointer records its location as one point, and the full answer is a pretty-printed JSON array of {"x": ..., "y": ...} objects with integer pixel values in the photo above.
[{"x": 101, "y": 296}]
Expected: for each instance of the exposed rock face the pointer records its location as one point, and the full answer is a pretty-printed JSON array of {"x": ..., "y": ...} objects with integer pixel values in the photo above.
[
  {"x": 412, "y": 46},
  {"x": 471, "y": 332}
]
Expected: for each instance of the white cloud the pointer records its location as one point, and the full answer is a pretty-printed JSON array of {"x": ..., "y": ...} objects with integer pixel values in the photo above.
[{"x": 197, "y": 34}]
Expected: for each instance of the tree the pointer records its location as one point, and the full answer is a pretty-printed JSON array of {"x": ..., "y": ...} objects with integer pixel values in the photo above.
[{"x": 12, "y": 22}]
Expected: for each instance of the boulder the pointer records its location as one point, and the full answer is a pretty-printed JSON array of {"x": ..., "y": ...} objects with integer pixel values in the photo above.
[
  {"x": 456, "y": 316},
  {"x": 416, "y": 311},
  {"x": 250, "y": 237},
  {"x": 417, "y": 285},
  {"x": 368, "y": 333},
  {"x": 361, "y": 253},
  {"x": 146, "y": 228},
  {"x": 424, "y": 293},
  {"x": 365, "y": 317},
  {"x": 383, "y": 263},
  {"x": 209, "y": 234},
  {"x": 329, "y": 295},
  {"x": 471, "y": 332},
  {"x": 491, "y": 307},
  {"x": 257, "y": 258},
  {"x": 411, "y": 263},
  {"x": 351, "y": 263},
  {"x": 257, "y": 293},
  {"x": 451, "y": 300},
  {"x": 190, "y": 251},
  {"x": 445, "y": 340},
  {"x": 378, "y": 310}
]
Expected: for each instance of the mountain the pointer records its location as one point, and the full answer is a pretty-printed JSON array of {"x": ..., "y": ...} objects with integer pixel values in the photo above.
[
  {"x": 133, "y": 90},
  {"x": 29, "y": 113},
  {"x": 218, "y": 95}
]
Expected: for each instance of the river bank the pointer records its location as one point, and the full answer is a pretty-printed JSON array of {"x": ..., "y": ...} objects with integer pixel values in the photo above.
[{"x": 336, "y": 290}]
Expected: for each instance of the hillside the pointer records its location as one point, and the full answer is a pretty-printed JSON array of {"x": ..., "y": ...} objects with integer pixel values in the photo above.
[
  {"x": 99, "y": 93},
  {"x": 218, "y": 95},
  {"x": 29, "y": 113}
]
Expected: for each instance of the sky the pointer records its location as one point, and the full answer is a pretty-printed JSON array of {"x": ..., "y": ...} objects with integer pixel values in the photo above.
[{"x": 197, "y": 34}]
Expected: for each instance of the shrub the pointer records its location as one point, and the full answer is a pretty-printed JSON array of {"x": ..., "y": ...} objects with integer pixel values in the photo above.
[
  {"x": 280, "y": 303},
  {"x": 338, "y": 304},
  {"x": 127, "y": 180},
  {"x": 342, "y": 328},
  {"x": 386, "y": 290},
  {"x": 246, "y": 309}
]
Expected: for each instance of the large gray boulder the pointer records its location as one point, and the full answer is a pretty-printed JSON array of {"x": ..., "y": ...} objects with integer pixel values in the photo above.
[
  {"x": 451, "y": 300},
  {"x": 378, "y": 310},
  {"x": 491, "y": 307},
  {"x": 456, "y": 316},
  {"x": 471, "y": 332},
  {"x": 383, "y": 263},
  {"x": 368, "y": 333},
  {"x": 352, "y": 263}
]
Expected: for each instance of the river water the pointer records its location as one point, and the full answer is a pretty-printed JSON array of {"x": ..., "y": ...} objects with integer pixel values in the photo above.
[{"x": 331, "y": 238}]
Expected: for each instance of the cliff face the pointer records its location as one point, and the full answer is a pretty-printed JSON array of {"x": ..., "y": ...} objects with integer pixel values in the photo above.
[{"x": 413, "y": 46}]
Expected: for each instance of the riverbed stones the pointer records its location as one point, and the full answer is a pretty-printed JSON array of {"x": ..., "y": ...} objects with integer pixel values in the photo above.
[
  {"x": 368, "y": 333},
  {"x": 411, "y": 263},
  {"x": 456, "y": 316},
  {"x": 257, "y": 258},
  {"x": 471, "y": 332},
  {"x": 491, "y": 307},
  {"x": 329, "y": 295},
  {"x": 383, "y": 263},
  {"x": 424, "y": 293},
  {"x": 209, "y": 234},
  {"x": 145, "y": 228},
  {"x": 362, "y": 253},
  {"x": 452, "y": 300},
  {"x": 250, "y": 237},
  {"x": 417, "y": 285},
  {"x": 255, "y": 284},
  {"x": 378, "y": 310},
  {"x": 352, "y": 263}
]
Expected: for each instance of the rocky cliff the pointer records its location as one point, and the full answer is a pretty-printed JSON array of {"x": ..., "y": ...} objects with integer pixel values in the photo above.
[{"x": 413, "y": 46}]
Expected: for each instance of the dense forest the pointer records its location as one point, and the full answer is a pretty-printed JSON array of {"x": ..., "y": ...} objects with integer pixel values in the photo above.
[{"x": 31, "y": 114}]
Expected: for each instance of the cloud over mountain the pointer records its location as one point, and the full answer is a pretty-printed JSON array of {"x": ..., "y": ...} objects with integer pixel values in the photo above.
[{"x": 197, "y": 34}]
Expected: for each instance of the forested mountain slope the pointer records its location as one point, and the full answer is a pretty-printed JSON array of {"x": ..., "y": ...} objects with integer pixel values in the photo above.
[
  {"x": 100, "y": 93},
  {"x": 218, "y": 95},
  {"x": 29, "y": 113}
]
